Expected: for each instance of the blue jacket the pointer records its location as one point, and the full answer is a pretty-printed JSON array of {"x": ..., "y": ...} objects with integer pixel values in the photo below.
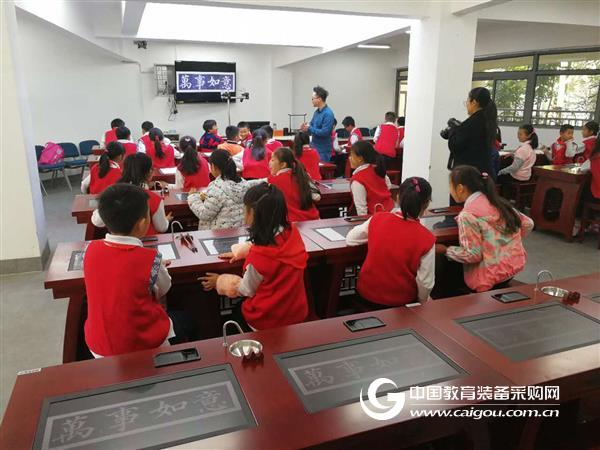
[{"x": 321, "y": 127}]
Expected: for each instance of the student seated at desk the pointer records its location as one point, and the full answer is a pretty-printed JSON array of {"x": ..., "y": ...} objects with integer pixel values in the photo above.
[
  {"x": 192, "y": 171},
  {"x": 589, "y": 133},
  {"x": 124, "y": 281},
  {"x": 292, "y": 180},
  {"x": 308, "y": 156},
  {"x": 275, "y": 259},
  {"x": 232, "y": 146},
  {"x": 490, "y": 232},
  {"x": 523, "y": 158},
  {"x": 221, "y": 205},
  {"x": 563, "y": 150},
  {"x": 210, "y": 140},
  {"x": 245, "y": 134},
  {"x": 400, "y": 122},
  {"x": 161, "y": 154},
  {"x": 271, "y": 144},
  {"x": 137, "y": 170},
  {"x": 144, "y": 142},
  {"x": 124, "y": 137},
  {"x": 106, "y": 172},
  {"x": 369, "y": 184},
  {"x": 255, "y": 159},
  {"x": 592, "y": 194},
  {"x": 110, "y": 135},
  {"x": 400, "y": 263}
]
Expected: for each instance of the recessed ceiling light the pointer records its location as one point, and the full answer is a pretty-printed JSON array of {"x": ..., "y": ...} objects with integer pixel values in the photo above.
[{"x": 379, "y": 46}]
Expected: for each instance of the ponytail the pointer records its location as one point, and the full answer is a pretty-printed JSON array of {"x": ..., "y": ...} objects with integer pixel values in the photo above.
[
  {"x": 189, "y": 163},
  {"x": 531, "y": 135},
  {"x": 113, "y": 151},
  {"x": 223, "y": 161},
  {"x": 475, "y": 181},
  {"x": 285, "y": 155},
  {"x": 156, "y": 136},
  {"x": 259, "y": 139},
  {"x": 415, "y": 194},
  {"x": 300, "y": 140},
  {"x": 136, "y": 169},
  {"x": 365, "y": 150},
  {"x": 484, "y": 98}
]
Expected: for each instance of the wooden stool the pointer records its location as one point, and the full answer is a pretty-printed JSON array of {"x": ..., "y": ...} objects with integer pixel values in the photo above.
[
  {"x": 587, "y": 218},
  {"x": 520, "y": 191}
]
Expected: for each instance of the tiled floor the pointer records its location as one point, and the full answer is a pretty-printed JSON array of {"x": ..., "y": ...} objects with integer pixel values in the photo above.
[{"x": 32, "y": 322}]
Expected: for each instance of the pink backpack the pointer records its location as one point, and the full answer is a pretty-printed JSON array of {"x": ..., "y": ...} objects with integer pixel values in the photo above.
[{"x": 52, "y": 154}]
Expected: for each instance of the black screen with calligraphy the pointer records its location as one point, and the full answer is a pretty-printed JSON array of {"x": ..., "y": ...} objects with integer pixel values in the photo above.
[
  {"x": 333, "y": 375},
  {"x": 151, "y": 413},
  {"x": 531, "y": 332}
]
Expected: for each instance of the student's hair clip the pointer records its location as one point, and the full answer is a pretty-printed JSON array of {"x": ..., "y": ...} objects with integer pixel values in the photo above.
[
  {"x": 416, "y": 183},
  {"x": 484, "y": 175}
]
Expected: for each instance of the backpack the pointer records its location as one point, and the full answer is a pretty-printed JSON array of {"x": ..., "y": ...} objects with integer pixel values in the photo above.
[{"x": 52, "y": 154}]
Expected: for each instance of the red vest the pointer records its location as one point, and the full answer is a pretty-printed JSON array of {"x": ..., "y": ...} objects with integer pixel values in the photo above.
[
  {"x": 310, "y": 160},
  {"x": 395, "y": 249},
  {"x": 130, "y": 148},
  {"x": 168, "y": 159},
  {"x": 153, "y": 203},
  {"x": 559, "y": 153},
  {"x": 97, "y": 184},
  {"x": 197, "y": 180},
  {"x": 123, "y": 315},
  {"x": 110, "y": 136},
  {"x": 595, "y": 169},
  {"x": 287, "y": 184},
  {"x": 357, "y": 133},
  {"x": 280, "y": 298},
  {"x": 146, "y": 140},
  {"x": 254, "y": 168},
  {"x": 377, "y": 190},
  {"x": 387, "y": 140},
  {"x": 273, "y": 144},
  {"x": 588, "y": 145}
]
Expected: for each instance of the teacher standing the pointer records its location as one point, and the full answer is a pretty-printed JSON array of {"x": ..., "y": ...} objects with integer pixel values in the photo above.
[
  {"x": 472, "y": 142},
  {"x": 321, "y": 125}
]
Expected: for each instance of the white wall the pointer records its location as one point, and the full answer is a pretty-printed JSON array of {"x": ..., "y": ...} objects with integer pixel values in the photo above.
[{"x": 361, "y": 83}]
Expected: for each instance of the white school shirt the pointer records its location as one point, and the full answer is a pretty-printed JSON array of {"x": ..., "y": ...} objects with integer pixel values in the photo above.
[
  {"x": 425, "y": 278},
  {"x": 161, "y": 286},
  {"x": 359, "y": 192}
]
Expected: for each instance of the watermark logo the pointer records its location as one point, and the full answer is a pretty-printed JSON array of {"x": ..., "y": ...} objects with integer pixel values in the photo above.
[{"x": 386, "y": 412}]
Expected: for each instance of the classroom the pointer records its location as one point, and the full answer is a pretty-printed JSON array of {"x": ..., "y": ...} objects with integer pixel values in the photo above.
[{"x": 266, "y": 224}]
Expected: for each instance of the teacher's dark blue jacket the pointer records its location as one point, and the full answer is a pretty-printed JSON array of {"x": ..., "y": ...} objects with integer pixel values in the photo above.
[{"x": 321, "y": 127}]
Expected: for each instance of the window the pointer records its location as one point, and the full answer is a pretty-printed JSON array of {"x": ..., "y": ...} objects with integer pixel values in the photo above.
[
  {"x": 565, "y": 99},
  {"x": 504, "y": 65},
  {"x": 509, "y": 96},
  {"x": 570, "y": 61}
]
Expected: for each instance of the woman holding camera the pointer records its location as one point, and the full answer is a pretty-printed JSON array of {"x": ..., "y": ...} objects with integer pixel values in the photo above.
[{"x": 472, "y": 141}]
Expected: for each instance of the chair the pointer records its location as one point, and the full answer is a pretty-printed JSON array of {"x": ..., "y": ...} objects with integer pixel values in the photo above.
[
  {"x": 364, "y": 131},
  {"x": 519, "y": 191},
  {"x": 50, "y": 168},
  {"x": 342, "y": 133},
  {"x": 75, "y": 162},
  {"x": 587, "y": 218},
  {"x": 372, "y": 131},
  {"x": 85, "y": 147}
]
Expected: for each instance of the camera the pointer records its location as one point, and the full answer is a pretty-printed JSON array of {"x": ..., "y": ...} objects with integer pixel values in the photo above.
[{"x": 452, "y": 124}]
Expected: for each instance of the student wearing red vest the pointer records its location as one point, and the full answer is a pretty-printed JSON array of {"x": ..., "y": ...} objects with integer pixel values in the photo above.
[
  {"x": 593, "y": 165},
  {"x": 125, "y": 315},
  {"x": 124, "y": 137},
  {"x": 144, "y": 142},
  {"x": 354, "y": 134},
  {"x": 137, "y": 170},
  {"x": 400, "y": 263},
  {"x": 563, "y": 150},
  {"x": 106, "y": 172},
  {"x": 293, "y": 181},
  {"x": 386, "y": 136},
  {"x": 245, "y": 134},
  {"x": 255, "y": 160},
  {"x": 369, "y": 184},
  {"x": 271, "y": 144},
  {"x": 193, "y": 171},
  {"x": 161, "y": 154},
  {"x": 307, "y": 155},
  {"x": 400, "y": 121},
  {"x": 110, "y": 135},
  {"x": 273, "y": 281},
  {"x": 589, "y": 133}
]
